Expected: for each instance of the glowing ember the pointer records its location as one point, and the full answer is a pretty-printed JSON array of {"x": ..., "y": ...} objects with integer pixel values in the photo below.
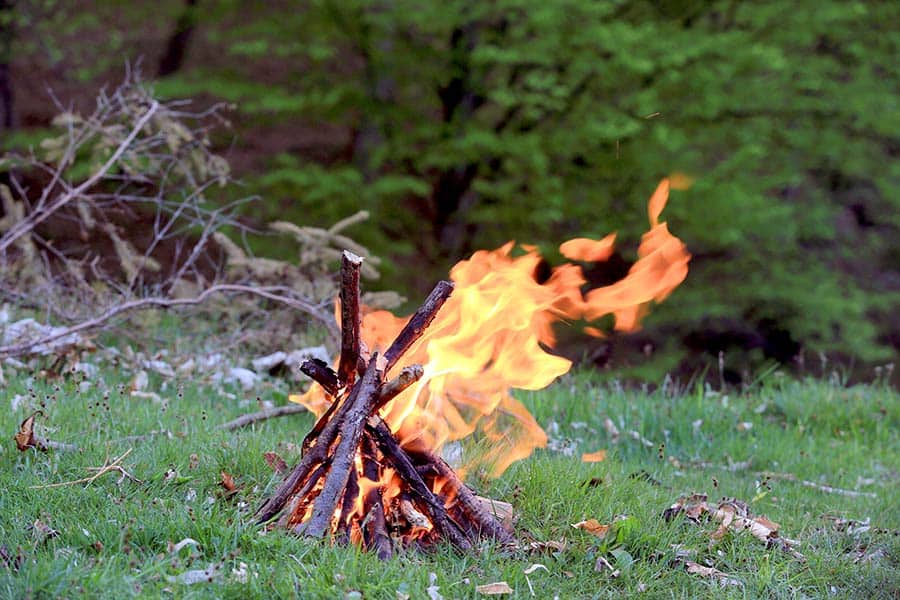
[{"x": 488, "y": 338}]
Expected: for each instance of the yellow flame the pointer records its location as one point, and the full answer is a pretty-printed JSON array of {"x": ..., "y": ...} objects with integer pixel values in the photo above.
[{"x": 489, "y": 337}]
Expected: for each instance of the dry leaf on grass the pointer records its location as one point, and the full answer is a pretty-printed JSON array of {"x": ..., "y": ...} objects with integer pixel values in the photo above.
[
  {"x": 494, "y": 589},
  {"x": 534, "y": 567},
  {"x": 227, "y": 482},
  {"x": 550, "y": 545},
  {"x": 592, "y": 457},
  {"x": 433, "y": 590},
  {"x": 176, "y": 548},
  {"x": 41, "y": 532},
  {"x": 732, "y": 514},
  {"x": 593, "y": 527},
  {"x": 207, "y": 575},
  {"x": 604, "y": 565},
  {"x": 275, "y": 462},
  {"x": 25, "y": 436},
  {"x": 723, "y": 578},
  {"x": 14, "y": 563}
]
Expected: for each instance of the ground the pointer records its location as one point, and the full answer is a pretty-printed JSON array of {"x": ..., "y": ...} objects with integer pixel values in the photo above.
[{"x": 111, "y": 538}]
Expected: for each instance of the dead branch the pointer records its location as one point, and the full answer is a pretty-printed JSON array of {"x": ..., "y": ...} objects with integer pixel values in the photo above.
[
  {"x": 360, "y": 404},
  {"x": 321, "y": 373},
  {"x": 262, "y": 415},
  {"x": 347, "y": 366},
  {"x": 108, "y": 466},
  {"x": 416, "y": 326},
  {"x": 104, "y": 318},
  {"x": 42, "y": 213},
  {"x": 822, "y": 487}
]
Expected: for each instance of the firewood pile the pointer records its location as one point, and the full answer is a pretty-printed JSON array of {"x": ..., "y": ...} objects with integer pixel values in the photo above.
[{"x": 356, "y": 482}]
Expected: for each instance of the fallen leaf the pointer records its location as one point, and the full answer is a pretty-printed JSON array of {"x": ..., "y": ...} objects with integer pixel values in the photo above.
[
  {"x": 11, "y": 562},
  {"x": 433, "y": 590},
  {"x": 207, "y": 575},
  {"x": 175, "y": 548},
  {"x": 534, "y": 568},
  {"x": 593, "y": 527},
  {"x": 732, "y": 514},
  {"x": 227, "y": 482},
  {"x": 494, "y": 589},
  {"x": 275, "y": 462},
  {"x": 592, "y": 457},
  {"x": 140, "y": 381},
  {"x": 697, "y": 569},
  {"x": 41, "y": 532},
  {"x": 603, "y": 565},
  {"x": 241, "y": 574},
  {"x": 552, "y": 545},
  {"x": 25, "y": 436},
  {"x": 611, "y": 429}
]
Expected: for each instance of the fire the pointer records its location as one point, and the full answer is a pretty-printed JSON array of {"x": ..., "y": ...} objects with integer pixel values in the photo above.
[{"x": 490, "y": 337}]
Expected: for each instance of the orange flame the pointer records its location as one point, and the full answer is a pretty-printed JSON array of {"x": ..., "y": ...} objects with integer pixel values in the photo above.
[{"x": 488, "y": 338}]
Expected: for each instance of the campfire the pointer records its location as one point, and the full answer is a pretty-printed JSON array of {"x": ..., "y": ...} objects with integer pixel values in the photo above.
[{"x": 371, "y": 471}]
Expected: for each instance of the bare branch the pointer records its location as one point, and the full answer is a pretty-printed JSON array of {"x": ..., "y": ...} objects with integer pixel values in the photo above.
[
  {"x": 160, "y": 302},
  {"x": 37, "y": 217}
]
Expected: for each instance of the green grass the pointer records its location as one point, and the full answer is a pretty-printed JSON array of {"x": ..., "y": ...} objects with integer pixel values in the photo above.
[{"x": 113, "y": 538}]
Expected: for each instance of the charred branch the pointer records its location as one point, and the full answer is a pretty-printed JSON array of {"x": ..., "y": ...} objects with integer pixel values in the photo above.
[
  {"x": 321, "y": 373},
  {"x": 360, "y": 403},
  {"x": 418, "y": 323},
  {"x": 350, "y": 319}
]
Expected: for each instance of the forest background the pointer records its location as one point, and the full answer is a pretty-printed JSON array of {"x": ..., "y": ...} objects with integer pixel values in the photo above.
[{"x": 461, "y": 125}]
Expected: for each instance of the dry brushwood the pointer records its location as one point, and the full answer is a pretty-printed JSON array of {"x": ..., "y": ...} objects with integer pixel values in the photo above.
[
  {"x": 350, "y": 443},
  {"x": 143, "y": 230}
]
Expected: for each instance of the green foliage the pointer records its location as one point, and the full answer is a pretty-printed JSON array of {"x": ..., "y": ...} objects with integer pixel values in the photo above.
[{"x": 461, "y": 125}]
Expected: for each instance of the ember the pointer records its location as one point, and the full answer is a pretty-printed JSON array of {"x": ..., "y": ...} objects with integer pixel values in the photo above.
[{"x": 371, "y": 472}]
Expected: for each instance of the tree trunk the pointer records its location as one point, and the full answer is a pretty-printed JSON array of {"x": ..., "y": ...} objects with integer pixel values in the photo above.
[
  {"x": 7, "y": 32},
  {"x": 176, "y": 49},
  {"x": 459, "y": 102}
]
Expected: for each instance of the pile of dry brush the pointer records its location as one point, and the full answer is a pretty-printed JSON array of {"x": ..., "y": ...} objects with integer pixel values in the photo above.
[{"x": 122, "y": 211}]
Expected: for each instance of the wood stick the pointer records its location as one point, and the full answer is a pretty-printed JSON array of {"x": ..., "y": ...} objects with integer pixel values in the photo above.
[
  {"x": 256, "y": 417},
  {"x": 394, "y": 454},
  {"x": 319, "y": 371},
  {"x": 466, "y": 500},
  {"x": 396, "y": 386},
  {"x": 348, "y": 506},
  {"x": 374, "y": 529},
  {"x": 347, "y": 366},
  {"x": 360, "y": 402},
  {"x": 315, "y": 454},
  {"x": 299, "y": 499},
  {"x": 416, "y": 326}
]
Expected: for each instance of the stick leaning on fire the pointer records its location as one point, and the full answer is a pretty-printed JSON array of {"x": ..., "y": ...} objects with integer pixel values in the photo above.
[{"x": 323, "y": 495}]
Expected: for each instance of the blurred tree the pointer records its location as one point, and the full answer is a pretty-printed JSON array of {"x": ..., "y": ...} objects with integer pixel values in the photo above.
[
  {"x": 176, "y": 48},
  {"x": 7, "y": 33},
  {"x": 463, "y": 124}
]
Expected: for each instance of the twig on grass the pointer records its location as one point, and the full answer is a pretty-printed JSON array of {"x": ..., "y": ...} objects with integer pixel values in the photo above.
[
  {"x": 262, "y": 415},
  {"x": 828, "y": 489},
  {"x": 108, "y": 467}
]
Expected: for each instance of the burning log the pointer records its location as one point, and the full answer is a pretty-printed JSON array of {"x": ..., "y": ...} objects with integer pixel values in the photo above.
[{"x": 356, "y": 481}]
